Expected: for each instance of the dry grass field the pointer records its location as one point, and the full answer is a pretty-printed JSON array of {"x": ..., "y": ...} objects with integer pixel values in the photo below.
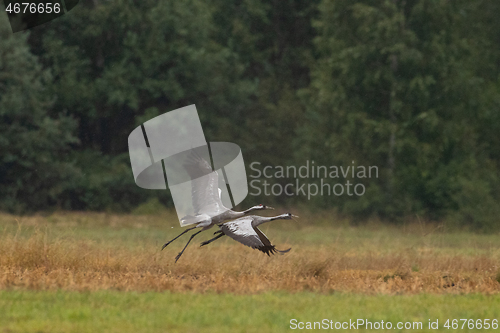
[
  {"x": 97, "y": 272},
  {"x": 91, "y": 251}
]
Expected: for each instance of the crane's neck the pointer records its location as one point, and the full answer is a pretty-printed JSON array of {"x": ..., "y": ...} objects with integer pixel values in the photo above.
[
  {"x": 236, "y": 215},
  {"x": 263, "y": 219},
  {"x": 249, "y": 210}
]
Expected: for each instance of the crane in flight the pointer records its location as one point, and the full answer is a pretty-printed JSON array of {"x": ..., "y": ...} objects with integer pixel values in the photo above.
[
  {"x": 245, "y": 230},
  {"x": 206, "y": 197}
]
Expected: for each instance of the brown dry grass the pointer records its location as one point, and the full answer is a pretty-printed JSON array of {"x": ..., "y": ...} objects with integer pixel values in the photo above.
[{"x": 96, "y": 251}]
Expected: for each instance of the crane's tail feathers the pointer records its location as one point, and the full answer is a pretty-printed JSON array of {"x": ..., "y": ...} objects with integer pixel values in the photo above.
[
  {"x": 284, "y": 251},
  {"x": 272, "y": 250}
]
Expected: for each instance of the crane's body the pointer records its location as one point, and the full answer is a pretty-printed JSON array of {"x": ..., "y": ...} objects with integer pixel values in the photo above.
[
  {"x": 207, "y": 222},
  {"x": 205, "y": 194},
  {"x": 245, "y": 230}
]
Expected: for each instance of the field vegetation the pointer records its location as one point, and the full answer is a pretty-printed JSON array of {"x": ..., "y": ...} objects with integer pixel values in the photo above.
[
  {"x": 100, "y": 272},
  {"x": 96, "y": 251},
  {"x": 113, "y": 311}
]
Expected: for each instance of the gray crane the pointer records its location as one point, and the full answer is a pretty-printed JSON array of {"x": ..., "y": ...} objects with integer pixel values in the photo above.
[
  {"x": 207, "y": 203},
  {"x": 245, "y": 230}
]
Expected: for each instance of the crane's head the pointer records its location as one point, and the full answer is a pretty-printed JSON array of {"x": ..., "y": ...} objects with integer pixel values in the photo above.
[{"x": 261, "y": 207}]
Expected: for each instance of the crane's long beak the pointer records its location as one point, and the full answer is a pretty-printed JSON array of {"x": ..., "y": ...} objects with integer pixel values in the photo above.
[
  {"x": 267, "y": 207},
  {"x": 294, "y": 216}
]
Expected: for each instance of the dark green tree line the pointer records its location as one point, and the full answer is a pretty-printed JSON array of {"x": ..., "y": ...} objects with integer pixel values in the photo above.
[
  {"x": 397, "y": 85},
  {"x": 411, "y": 87},
  {"x": 34, "y": 162}
]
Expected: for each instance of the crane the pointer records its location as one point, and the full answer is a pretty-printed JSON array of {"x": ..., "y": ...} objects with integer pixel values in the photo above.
[
  {"x": 245, "y": 230},
  {"x": 206, "y": 197}
]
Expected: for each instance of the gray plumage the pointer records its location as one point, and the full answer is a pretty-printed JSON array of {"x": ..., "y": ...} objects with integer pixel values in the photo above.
[{"x": 245, "y": 230}]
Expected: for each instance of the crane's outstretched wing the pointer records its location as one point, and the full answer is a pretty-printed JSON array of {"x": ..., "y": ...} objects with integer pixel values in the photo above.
[
  {"x": 205, "y": 192},
  {"x": 241, "y": 230}
]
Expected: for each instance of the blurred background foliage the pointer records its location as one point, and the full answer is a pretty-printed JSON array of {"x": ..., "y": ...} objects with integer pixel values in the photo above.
[{"x": 410, "y": 86}]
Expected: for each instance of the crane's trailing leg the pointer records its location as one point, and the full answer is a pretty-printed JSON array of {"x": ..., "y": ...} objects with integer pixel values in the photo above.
[
  {"x": 192, "y": 236},
  {"x": 182, "y": 233},
  {"x": 211, "y": 240}
]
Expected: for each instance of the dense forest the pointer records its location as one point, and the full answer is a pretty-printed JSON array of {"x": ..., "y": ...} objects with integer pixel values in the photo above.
[{"x": 409, "y": 86}]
